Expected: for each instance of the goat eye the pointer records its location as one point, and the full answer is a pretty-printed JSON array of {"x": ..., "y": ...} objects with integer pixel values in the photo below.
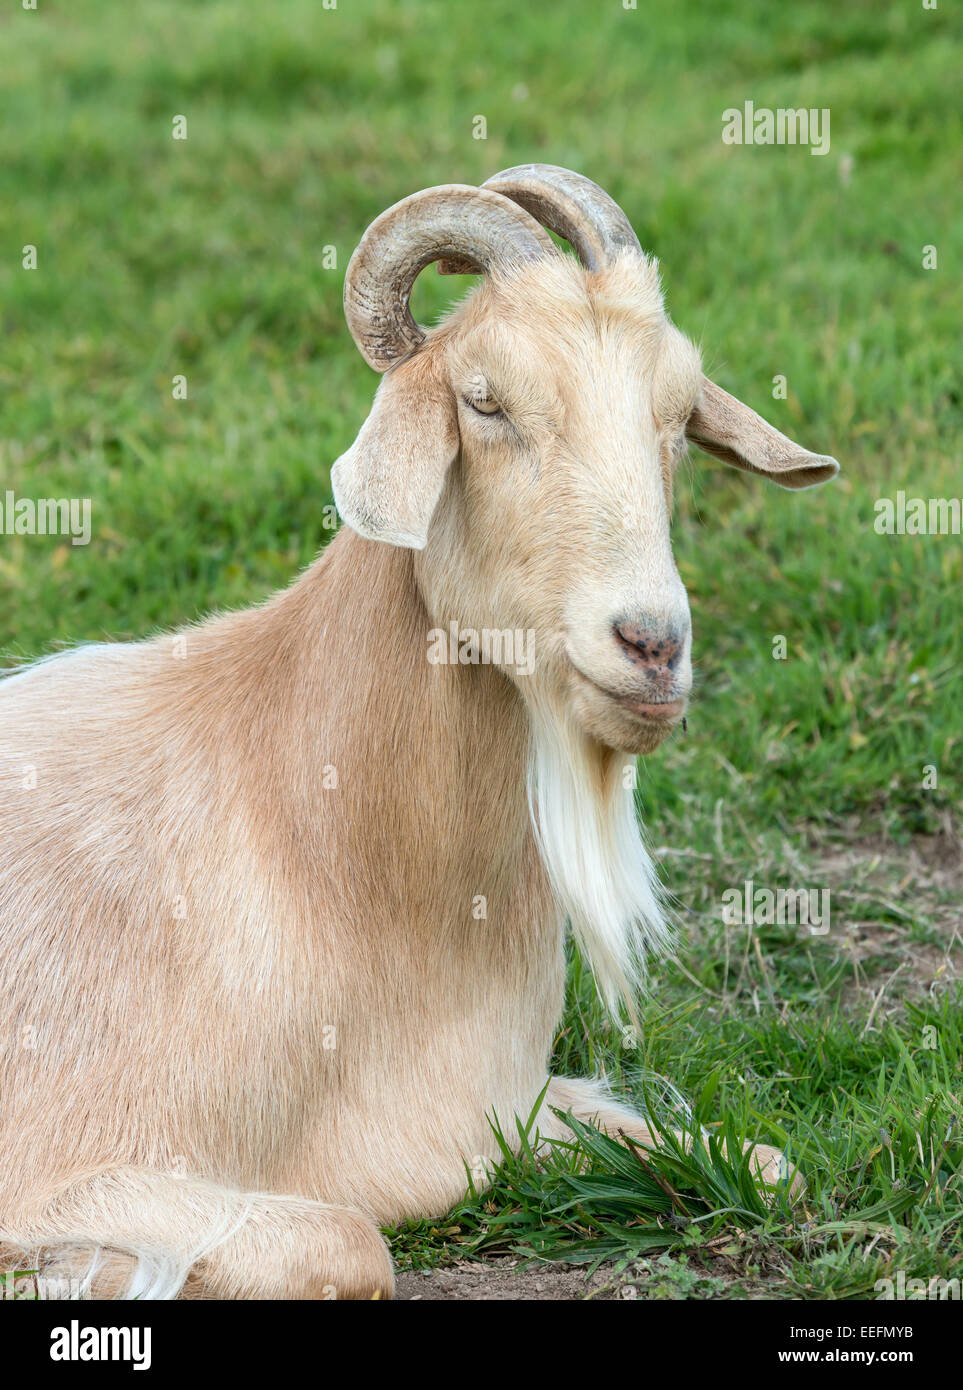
[{"x": 483, "y": 407}]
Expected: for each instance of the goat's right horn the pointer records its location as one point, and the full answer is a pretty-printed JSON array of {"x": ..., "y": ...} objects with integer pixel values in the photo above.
[
  {"x": 571, "y": 206},
  {"x": 474, "y": 227}
]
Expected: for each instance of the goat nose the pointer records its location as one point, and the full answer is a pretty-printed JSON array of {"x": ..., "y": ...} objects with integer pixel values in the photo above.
[{"x": 658, "y": 648}]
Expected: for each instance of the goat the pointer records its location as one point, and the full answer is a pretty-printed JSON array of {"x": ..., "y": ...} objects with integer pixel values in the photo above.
[{"x": 252, "y": 1009}]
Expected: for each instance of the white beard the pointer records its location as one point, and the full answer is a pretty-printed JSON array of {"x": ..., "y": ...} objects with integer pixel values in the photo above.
[{"x": 592, "y": 848}]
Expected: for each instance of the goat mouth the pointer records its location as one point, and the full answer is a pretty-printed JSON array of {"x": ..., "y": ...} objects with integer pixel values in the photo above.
[
  {"x": 655, "y": 711},
  {"x": 660, "y": 711}
]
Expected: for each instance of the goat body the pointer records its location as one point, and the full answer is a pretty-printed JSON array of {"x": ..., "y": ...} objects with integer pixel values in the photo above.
[{"x": 258, "y": 968}]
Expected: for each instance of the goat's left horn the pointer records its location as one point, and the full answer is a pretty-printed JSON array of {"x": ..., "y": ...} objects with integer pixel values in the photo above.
[
  {"x": 571, "y": 206},
  {"x": 474, "y": 227}
]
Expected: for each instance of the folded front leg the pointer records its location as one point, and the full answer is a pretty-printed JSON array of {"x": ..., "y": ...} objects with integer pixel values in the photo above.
[{"x": 591, "y": 1102}]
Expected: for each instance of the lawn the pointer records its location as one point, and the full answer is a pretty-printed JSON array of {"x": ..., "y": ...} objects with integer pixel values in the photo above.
[{"x": 220, "y": 258}]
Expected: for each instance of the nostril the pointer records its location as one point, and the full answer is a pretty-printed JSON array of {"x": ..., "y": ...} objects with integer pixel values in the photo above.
[{"x": 658, "y": 649}]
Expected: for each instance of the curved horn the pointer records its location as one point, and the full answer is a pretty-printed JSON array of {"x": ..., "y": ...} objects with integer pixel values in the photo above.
[
  {"x": 473, "y": 226},
  {"x": 573, "y": 207}
]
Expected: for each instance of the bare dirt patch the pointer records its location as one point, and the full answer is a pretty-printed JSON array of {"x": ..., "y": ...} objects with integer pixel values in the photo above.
[
  {"x": 504, "y": 1280},
  {"x": 663, "y": 1277},
  {"x": 900, "y": 918}
]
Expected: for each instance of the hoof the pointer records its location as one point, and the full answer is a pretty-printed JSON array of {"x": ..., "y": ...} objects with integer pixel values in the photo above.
[{"x": 772, "y": 1169}]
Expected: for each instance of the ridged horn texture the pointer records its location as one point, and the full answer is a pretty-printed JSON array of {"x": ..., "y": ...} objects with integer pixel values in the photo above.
[
  {"x": 471, "y": 226},
  {"x": 572, "y": 207}
]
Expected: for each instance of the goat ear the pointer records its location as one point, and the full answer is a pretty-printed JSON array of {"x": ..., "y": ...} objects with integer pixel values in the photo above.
[
  {"x": 723, "y": 426},
  {"x": 386, "y": 486}
]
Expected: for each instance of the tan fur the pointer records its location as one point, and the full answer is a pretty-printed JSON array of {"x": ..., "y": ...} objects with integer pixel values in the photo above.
[{"x": 248, "y": 1012}]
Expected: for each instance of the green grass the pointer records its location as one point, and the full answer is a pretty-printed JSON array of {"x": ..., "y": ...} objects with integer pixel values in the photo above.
[
  {"x": 204, "y": 257},
  {"x": 872, "y": 1120}
]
